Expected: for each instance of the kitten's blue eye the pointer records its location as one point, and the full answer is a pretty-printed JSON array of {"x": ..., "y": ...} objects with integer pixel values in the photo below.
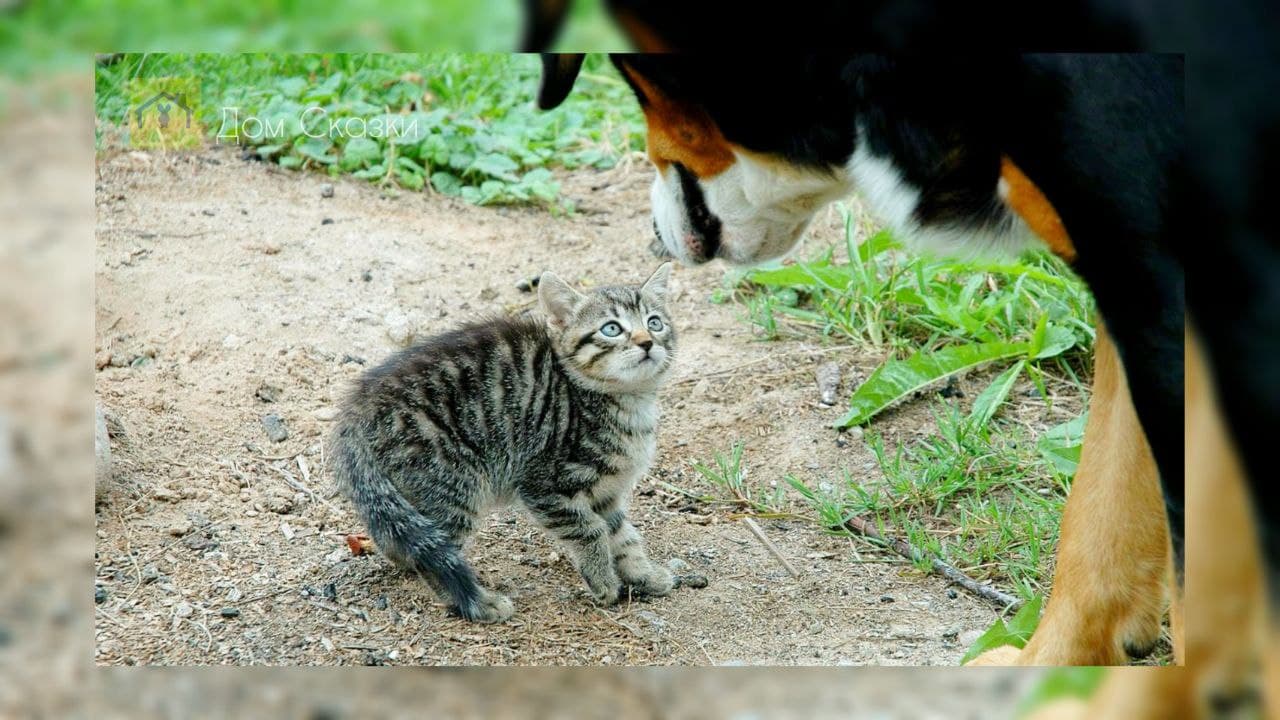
[
  {"x": 655, "y": 324},
  {"x": 611, "y": 329}
]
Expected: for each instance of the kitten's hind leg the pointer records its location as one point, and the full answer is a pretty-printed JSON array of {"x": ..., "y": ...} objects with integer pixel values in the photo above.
[
  {"x": 448, "y": 573},
  {"x": 633, "y": 563},
  {"x": 572, "y": 521}
]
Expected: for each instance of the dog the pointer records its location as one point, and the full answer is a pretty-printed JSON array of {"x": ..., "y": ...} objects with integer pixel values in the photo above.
[{"x": 1085, "y": 154}]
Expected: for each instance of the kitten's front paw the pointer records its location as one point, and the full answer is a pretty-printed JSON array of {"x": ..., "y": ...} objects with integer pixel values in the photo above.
[
  {"x": 607, "y": 593},
  {"x": 490, "y": 607},
  {"x": 654, "y": 580}
]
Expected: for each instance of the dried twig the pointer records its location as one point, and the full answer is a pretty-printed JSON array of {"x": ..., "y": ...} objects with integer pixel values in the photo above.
[
  {"x": 868, "y": 529},
  {"x": 768, "y": 545}
]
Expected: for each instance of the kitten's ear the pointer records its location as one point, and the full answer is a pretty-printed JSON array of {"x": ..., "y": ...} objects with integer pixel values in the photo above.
[
  {"x": 557, "y": 298},
  {"x": 656, "y": 285}
]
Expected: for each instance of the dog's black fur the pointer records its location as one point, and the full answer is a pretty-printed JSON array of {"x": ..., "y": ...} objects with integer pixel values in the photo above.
[{"x": 1102, "y": 135}]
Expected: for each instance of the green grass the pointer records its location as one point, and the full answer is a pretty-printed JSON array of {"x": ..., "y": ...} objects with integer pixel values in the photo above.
[
  {"x": 980, "y": 491},
  {"x": 458, "y": 124},
  {"x": 37, "y": 37}
]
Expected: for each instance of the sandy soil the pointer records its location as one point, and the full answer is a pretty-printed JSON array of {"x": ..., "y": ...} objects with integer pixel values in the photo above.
[{"x": 221, "y": 282}]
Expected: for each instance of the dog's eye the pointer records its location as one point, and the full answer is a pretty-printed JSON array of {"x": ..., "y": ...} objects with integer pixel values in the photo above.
[
  {"x": 611, "y": 329},
  {"x": 655, "y": 324}
]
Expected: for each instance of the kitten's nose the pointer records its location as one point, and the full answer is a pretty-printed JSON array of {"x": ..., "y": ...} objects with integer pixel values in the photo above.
[{"x": 642, "y": 339}]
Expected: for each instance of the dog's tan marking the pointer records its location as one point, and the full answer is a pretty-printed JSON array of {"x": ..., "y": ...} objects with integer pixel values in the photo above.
[
  {"x": 1225, "y": 627},
  {"x": 1224, "y": 635},
  {"x": 680, "y": 132},
  {"x": 1024, "y": 198},
  {"x": 1109, "y": 584}
]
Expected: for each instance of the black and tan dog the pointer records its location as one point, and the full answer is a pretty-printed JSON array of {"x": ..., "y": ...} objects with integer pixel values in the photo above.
[{"x": 1086, "y": 154}]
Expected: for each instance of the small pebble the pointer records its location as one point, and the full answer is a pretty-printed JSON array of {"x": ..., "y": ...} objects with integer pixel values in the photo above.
[
  {"x": 229, "y": 612},
  {"x": 180, "y": 528},
  {"x": 399, "y": 329},
  {"x": 326, "y": 190},
  {"x": 165, "y": 494},
  {"x": 366, "y": 276},
  {"x": 183, "y": 609},
  {"x": 150, "y": 574},
  {"x": 331, "y": 592},
  {"x": 951, "y": 593},
  {"x": 326, "y": 221},
  {"x": 275, "y": 427},
  {"x": 693, "y": 580},
  {"x": 678, "y": 566},
  {"x": 326, "y": 414},
  {"x": 231, "y": 342},
  {"x": 268, "y": 393},
  {"x": 99, "y": 595},
  {"x": 886, "y": 598},
  {"x": 381, "y": 602},
  {"x": 652, "y": 619}
]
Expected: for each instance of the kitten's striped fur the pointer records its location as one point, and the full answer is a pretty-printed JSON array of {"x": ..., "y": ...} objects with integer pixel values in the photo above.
[{"x": 556, "y": 415}]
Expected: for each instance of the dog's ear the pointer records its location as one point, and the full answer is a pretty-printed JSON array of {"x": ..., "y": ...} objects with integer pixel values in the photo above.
[
  {"x": 542, "y": 22},
  {"x": 558, "y": 73},
  {"x": 557, "y": 298}
]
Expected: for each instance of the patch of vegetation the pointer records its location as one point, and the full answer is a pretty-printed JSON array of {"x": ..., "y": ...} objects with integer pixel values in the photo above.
[
  {"x": 59, "y": 34},
  {"x": 980, "y": 492},
  {"x": 459, "y": 124}
]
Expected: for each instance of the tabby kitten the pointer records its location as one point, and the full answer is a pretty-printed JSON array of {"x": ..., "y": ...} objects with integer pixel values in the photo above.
[{"x": 557, "y": 415}]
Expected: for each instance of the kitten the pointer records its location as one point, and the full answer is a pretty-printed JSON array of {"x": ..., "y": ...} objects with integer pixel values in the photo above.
[{"x": 557, "y": 415}]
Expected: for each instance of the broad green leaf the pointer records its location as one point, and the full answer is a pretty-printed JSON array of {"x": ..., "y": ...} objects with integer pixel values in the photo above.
[
  {"x": 409, "y": 179},
  {"x": 446, "y": 183},
  {"x": 990, "y": 399},
  {"x": 1016, "y": 633},
  {"x": 359, "y": 151},
  {"x": 268, "y": 151},
  {"x": 373, "y": 172},
  {"x": 1057, "y": 340},
  {"x": 875, "y": 245},
  {"x": 317, "y": 149},
  {"x": 292, "y": 86},
  {"x": 1060, "y": 445},
  {"x": 1024, "y": 622},
  {"x": 897, "y": 379},
  {"x": 799, "y": 275},
  {"x": 996, "y": 636},
  {"x": 1062, "y": 682},
  {"x": 498, "y": 166},
  {"x": 1038, "y": 336}
]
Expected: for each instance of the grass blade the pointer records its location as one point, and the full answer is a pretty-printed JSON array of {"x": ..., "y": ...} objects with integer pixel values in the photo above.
[
  {"x": 990, "y": 400},
  {"x": 897, "y": 379}
]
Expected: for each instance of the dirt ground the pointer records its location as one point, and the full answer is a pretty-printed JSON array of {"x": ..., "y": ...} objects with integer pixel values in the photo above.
[{"x": 224, "y": 283}]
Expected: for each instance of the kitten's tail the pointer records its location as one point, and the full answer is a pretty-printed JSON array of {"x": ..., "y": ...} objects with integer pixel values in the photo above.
[{"x": 404, "y": 534}]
